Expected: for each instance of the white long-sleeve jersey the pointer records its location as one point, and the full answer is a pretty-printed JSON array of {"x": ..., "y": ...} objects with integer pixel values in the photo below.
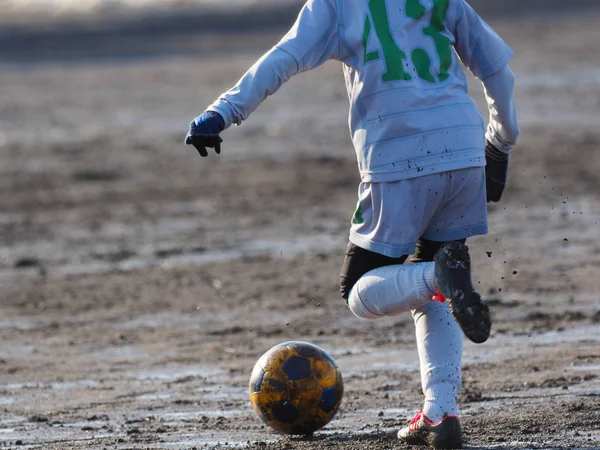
[{"x": 410, "y": 112}]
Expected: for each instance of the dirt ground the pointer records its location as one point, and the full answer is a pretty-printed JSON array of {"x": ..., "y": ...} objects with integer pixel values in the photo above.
[{"x": 140, "y": 283}]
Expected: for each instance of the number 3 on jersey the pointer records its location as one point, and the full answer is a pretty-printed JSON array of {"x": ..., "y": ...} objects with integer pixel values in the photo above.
[{"x": 394, "y": 57}]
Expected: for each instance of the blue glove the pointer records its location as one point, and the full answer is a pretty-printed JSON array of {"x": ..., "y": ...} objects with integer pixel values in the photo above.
[
  {"x": 496, "y": 172},
  {"x": 204, "y": 132}
]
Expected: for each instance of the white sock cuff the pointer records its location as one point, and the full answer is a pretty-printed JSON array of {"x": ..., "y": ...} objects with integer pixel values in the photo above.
[
  {"x": 429, "y": 277},
  {"x": 425, "y": 280}
]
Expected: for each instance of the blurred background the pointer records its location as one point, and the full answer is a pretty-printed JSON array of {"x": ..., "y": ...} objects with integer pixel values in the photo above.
[
  {"x": 97, "y": 95},
  {"x": 131, "y": 270}
]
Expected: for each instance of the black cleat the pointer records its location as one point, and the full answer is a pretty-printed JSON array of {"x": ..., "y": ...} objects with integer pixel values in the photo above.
[
  {"x": 453, "y": 275},
  {"x": 444, "y": 434}
]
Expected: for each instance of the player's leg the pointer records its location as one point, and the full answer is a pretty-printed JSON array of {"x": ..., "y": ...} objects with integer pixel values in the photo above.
[
  {"x": 392, "y": 290},
  {"x": 358, "y": 262},
  {"x": 462, "y": 215},
  {"x": 453, "y": 275},
  {"x": 439, "y": 344},
  {"x": 375, "y": 285},
  {"x": 389, "y": 220},
  {"x": 453, "y": 278},
  {"x": 439, "y": 339}
]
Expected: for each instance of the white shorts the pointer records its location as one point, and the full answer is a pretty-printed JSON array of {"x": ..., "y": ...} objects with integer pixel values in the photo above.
[{"x": 391, "y": 217}]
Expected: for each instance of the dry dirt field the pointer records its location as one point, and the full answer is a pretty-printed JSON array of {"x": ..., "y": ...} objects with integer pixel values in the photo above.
[{"x": 140, "y": 283}]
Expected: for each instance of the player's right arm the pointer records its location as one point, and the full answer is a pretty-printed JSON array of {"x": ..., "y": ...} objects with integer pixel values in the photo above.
[
  {"x": 310, "y": 42},
  {"x": 486, "y": 55},
  {"x": 502, "y": 130}
]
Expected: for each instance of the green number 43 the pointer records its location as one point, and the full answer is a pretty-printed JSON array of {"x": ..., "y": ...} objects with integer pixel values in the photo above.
[{"x": 394, "y": 57}]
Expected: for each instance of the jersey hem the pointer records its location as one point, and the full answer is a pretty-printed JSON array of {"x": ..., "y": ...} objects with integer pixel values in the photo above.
[
  {"x": 391, "y": 251},
  {"x": 417, "y": 169},
  {"x": 458, "y": 233}
]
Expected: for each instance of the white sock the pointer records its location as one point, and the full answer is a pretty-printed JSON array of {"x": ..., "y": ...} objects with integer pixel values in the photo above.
[
  {"x": 393, "y": 290},
  {"x": 439, "y": 342}
]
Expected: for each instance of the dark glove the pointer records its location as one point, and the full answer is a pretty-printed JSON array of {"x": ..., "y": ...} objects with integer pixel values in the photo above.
[
  {"x": 204, "y": 132},
  {"x": 496, "y": 171}
]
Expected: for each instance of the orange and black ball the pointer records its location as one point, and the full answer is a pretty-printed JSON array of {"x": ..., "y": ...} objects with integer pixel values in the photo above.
[{"x": 296, "y": 388}]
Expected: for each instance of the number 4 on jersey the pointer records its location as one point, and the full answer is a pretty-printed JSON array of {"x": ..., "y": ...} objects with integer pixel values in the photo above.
[{"x": 394, "y": 57}]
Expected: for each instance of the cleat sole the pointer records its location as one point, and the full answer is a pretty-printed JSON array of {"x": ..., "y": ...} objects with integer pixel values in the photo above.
[{"x": 453, "y": 274}]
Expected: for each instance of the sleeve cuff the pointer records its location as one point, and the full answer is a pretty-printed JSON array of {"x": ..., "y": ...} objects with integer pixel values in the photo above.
[
  {"x": 224, "y": 110},
  {"x": 496, "y": 148}
]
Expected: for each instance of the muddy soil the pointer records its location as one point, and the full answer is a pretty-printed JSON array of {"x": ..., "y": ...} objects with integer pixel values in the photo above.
[{"x": 140, "y": 283}]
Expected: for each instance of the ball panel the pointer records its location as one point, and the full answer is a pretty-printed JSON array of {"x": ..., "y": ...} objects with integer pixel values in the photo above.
[
  {"x": 297, "y": 367},
  {"x": 260, "y": 408},
  {"x": 306, "y": 394},
  {"x": 308, "y": 427},
  {"x": 275, "y": 357},
  {"x": 324, "y": 372},
  {"x": 273, "y": 388},
  {"x": 330, "y": 399},
  {"x": 271, "y": 391},
  {"x": 305, "y": 349},
  {"x": 256, "y": 379},
  {"x": 284, "y": 412},
  {"x": 328, "y": 357}
]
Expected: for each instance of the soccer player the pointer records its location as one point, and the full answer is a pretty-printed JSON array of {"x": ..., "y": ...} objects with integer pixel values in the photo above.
[{"x": 422, "y": 148}]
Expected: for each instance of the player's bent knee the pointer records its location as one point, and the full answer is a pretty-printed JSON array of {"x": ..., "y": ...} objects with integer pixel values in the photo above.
[
  {"x": 358, "y": 306},
  {"x": 390, "y": 291},
  {"x": 358, "y": 262}
]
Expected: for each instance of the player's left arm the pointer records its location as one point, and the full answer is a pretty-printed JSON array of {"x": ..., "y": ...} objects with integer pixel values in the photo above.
[{"x": 310, "y": 42}]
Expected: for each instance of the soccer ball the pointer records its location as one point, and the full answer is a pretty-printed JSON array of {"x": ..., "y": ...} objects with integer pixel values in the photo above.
[{"x": 296, "y": 388}]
